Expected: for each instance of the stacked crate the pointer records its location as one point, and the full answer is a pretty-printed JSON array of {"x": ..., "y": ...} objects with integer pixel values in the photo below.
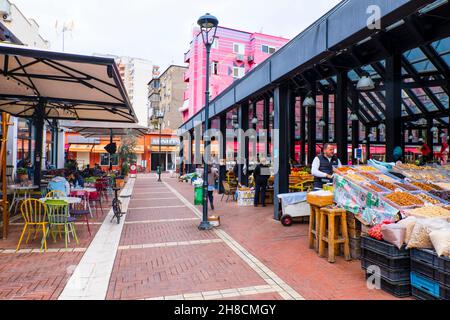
[
  {"x": 430, "y": 275},
  {"x": 354, "y": 228},
  {"x": 392, "y": 264}
]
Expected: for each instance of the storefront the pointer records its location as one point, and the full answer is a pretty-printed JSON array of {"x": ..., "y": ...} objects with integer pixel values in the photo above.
[{"x": 163, "y": 151}]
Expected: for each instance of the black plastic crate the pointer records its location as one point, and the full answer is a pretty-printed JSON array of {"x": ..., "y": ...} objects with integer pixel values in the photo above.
[
  {"x": 384, "y": 248},
  {"x": 422, "y": 295},
  {"x": 400, "y": 275},
  {"x": 444, "y": 279},
  {"x": 431, "y": 258},
  {"x": 445, "y": 293},
  {"x": 425, "y": 269},
  {"x": 386, "y": 261},
  {"x": 397, "y": 289}
]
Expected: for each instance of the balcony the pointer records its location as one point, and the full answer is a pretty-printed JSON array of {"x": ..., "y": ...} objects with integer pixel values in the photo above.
[
  {"x": 187, "y": 76},
  {"x": 240, "y": 57},
  {"x": 187, "y": 57}
]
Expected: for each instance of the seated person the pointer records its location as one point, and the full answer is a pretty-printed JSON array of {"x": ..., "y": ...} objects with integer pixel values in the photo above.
[
  {"x": 59, "y": 183},
  {"x": 78, "y": 180}
]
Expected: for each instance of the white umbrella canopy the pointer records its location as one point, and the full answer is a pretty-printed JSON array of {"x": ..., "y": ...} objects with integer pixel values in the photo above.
[
  {"x": 100, "y": 129},
  {"x": 71, "y": 87}
]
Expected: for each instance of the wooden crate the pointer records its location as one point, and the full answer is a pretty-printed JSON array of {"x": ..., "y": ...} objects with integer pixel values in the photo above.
[
  {"x": 355, "y": 248},
  {"x": 319, "y": 201}
]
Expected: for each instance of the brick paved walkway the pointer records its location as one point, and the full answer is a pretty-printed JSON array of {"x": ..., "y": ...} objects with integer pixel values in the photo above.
[{"x": 162, "y": 255}]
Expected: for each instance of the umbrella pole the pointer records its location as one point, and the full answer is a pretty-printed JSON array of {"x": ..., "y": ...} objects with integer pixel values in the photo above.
[
  {"x": 39, "y": 126},
  {"x": 5, "y": 123}
]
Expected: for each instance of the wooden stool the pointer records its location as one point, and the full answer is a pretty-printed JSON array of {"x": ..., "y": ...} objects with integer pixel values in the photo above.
[
  {"x": 331, "y": 235},
  {"x": 316, "y": 203}
]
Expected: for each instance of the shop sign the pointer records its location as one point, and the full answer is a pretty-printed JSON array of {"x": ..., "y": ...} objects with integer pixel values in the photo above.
[{"x": 166, "y": 142}]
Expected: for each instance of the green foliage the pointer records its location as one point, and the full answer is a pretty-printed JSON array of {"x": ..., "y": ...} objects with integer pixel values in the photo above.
[
  {"x": 71, "y": 165},
  {"x": 22, "y": 171},
  {"x": 127, "y": 153}
]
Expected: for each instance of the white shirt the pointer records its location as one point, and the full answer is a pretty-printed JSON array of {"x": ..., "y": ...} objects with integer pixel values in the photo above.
[{"x": 316, "y": 165}]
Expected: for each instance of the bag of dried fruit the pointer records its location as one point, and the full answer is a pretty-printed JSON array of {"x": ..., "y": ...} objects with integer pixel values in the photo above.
[{"x": 441, "y": 242}]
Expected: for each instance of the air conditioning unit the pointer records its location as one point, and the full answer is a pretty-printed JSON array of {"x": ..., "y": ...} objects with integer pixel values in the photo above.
[
  {"x": 240, "y": 57},
  {"x": 251, "y": 59}
]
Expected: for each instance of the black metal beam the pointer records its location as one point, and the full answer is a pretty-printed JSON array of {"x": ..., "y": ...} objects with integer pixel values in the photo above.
[
  {"x": 223, "y": 151},
  {"x": 243, "y": 118},
  {"x": 302, "y": 131},
  {"x": 326, "y": 118},
  {"x": 312, "y": 116},
  {"x": 393, "y": 105},
  {"x": 341, "y": 117},
  {"x": 355, "y": 126},
  {"x": 281, "y": 121}
]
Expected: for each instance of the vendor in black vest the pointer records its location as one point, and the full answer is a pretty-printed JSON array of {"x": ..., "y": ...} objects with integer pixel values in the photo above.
[{"x": 322, "y": 167}]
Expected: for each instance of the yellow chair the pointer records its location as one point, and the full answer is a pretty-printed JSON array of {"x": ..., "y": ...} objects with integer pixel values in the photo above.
[
  {"x": 305, "y": 186},
  {"x": 56, "y": 194},
  {"x": 34, "y": 213}
]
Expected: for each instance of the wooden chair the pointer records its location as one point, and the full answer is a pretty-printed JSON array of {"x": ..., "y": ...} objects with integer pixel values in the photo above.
[
  {"x": 34, "y": 213},
  {"x": 228, "y": 191},
  {"x": 56, "y": 194}
]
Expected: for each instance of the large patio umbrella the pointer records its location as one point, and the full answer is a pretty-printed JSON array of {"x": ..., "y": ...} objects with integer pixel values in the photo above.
[{"x": 42, "y": 84}]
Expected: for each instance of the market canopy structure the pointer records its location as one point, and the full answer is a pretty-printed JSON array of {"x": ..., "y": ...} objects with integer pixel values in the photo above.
[
  {"x": 99, "y": 129},
  {"x": 42, "y": 84}
]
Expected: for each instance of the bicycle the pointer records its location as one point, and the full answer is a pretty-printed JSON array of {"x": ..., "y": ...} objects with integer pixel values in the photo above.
[{"x": 116, "y": 206}]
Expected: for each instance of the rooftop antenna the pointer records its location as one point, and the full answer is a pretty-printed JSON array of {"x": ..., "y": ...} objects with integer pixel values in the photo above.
[{"x": 67, "y": 26}]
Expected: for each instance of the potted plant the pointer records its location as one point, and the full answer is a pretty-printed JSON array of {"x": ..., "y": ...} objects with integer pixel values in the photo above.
[{"x": 22, "y": 174}]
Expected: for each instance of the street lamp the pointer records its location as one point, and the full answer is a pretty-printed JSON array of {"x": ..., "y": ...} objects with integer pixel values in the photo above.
[
  {"x": 208, "y": 26},
  {"x": 160, "y": 117}
]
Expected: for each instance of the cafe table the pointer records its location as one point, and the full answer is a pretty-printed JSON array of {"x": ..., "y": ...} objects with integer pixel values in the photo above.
[
  {"x": 69, "y": 200},
  {"x": 21, "y": 192}
]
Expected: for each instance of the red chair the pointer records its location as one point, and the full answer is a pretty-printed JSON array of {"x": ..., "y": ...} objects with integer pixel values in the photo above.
[
  {"x": 81, "y": 210},
  {"x": 101, "y": 186},
  {"x": 95, "y": 199}
]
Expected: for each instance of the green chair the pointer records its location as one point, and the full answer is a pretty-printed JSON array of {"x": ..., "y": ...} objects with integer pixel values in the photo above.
[{"x": 58, "y": 216}]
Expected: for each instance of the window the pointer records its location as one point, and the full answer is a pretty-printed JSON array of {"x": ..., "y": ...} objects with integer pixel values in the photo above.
[
  {"x": 268, "y": 49},
  {"x": 238, "y": 72},
  {"x": 214, "y": 68},
  {"x": 104, "y": 159},
  {"x": 238, "y": 48}
]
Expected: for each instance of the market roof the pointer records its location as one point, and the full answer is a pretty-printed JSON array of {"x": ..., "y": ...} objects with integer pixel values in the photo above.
[
  {"x": 72, "y": 87},
  {"x": 341, "y": 40},
  {"x": 99, "y": 129}
]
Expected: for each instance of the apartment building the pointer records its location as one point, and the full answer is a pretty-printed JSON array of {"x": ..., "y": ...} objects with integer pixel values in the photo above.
[{"x": 234, "y": 54}]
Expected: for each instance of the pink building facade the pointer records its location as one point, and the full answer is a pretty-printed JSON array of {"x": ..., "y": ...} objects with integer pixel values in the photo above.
[{"x": 233, "y": 54}]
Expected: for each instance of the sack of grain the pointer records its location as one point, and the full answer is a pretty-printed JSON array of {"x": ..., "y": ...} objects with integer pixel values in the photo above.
[
  {"x": 394, "y": 234},
  {"x": 420, "y": 237},
  {"x": 441, "y": 242},
  {"x": 409, "y": 224}
]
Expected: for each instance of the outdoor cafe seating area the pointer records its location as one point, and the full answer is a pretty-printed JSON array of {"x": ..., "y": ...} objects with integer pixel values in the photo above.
[{"x": 55, "y": 214}]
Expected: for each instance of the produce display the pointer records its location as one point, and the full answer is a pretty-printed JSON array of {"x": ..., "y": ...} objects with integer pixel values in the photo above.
[
  {"x": 426, "y": 186},
  {"x": 369, "y": 176},
  {"x": 404, "y": 199},
  {"x": 387, "y": 185},
  {"x": 356, "y": 177},
  {"x": 343, "y": 170},
  {"x": 428, "y": 199},
  {"x": 443, "y": 186},
  {"x": 444, "y": 195},
  {"x": 430, "y": 212},
  {"x": 373, "y": 187},
  {"x": 409, "y": 167},
  {"x": 367, "y": 168},
  {"x": 406, "y": 186},
  {"x": 385, "y": 178}
]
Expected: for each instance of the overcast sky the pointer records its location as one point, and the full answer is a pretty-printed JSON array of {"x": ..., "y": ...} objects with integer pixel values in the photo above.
[{"x": 160, "y": 30}]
